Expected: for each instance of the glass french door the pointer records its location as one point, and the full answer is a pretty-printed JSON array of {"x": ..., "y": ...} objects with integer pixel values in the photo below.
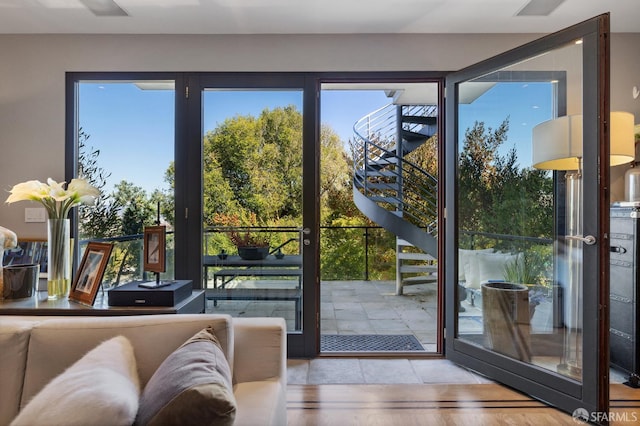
[
  {"x": 527, "y": 169},
  {"x": 109, "y": 114},
  {"x": 253, "y": 226}
]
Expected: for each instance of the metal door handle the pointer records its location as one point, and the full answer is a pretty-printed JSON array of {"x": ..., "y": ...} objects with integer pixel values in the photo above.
[
  {"x": 588, "y": 240},
  {"x": 621, "y": 250}
]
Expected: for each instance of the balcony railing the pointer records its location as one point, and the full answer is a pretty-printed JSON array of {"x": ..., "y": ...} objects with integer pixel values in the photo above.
[{"x": 346, "y": 252}]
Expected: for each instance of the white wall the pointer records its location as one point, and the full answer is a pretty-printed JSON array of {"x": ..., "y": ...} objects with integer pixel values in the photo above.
[{"x": 32, "y": 78}]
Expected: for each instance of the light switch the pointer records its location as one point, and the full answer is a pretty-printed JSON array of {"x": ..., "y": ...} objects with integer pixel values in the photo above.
[{"x": 35, "y": 214}]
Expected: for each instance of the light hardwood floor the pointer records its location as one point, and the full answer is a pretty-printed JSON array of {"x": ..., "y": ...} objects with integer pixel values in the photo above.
[{"x": 435, "y": 404}]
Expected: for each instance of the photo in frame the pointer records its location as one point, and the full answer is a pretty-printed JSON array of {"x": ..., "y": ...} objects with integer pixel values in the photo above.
[
  {"x": 155, "y": 248},
  {"x": 89, "y": 275}
]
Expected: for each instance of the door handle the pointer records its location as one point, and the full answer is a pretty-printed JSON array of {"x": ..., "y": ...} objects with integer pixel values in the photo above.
[
  {"x": 306, "y": 241},
  {"x": 617, "y": 249},
  {"x": 588, "y": 240}
]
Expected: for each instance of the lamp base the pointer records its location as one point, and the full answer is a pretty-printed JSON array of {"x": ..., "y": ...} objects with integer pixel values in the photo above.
[{"x": 570, "y": 370}]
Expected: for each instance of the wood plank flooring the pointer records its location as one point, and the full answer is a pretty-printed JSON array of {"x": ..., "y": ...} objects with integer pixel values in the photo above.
[{"x": 433, "y": 404}]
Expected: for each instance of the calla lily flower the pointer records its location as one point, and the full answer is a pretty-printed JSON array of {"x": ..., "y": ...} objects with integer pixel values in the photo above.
[{"x": 56, "y": 197}]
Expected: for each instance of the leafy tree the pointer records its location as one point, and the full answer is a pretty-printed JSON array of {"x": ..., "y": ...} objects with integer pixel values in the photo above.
[
  {"x": 495, "y": 194},
  {"x": 342, "y": 254},
  {"x": 336, "y": 176},
  {"x": 279, "y": 162},
  {"x": 255, "y": 164},
  {"x": 426, "y": 156},
  {"x": 138, "y": 211},
  {"x": 101, "y": 220},
  {"x": 228, "y": 152}
]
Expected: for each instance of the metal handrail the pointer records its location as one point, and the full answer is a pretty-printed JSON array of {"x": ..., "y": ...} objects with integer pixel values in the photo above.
[
  {"x": 378, "y": 167},
  {"x": 366, "y": 232}
]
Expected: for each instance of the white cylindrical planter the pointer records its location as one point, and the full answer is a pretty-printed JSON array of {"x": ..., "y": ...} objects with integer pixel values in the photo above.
[{"x": 505, "y": 317}]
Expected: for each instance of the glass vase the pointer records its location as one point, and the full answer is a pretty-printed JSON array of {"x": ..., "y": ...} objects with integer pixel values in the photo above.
[{"x": 58, "y": 258}]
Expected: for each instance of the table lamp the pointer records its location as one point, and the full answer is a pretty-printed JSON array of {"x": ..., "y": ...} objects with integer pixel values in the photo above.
[{"x": 557, "y": 145}]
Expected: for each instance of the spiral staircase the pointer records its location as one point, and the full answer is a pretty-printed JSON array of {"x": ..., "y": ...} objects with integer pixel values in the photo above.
[{"x": 396, "y": 193}]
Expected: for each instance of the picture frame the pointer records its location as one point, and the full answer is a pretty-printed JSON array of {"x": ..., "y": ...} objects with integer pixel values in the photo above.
[
  {"x": 155, "y": 238},
  {"x": 88, "y": 278}
]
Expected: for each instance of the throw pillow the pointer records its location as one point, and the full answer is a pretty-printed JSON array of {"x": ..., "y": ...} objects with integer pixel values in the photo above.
[
  {"x": 191, "y": 387},
  {"x": 101, "y": 388},
  {"x": 464, "y": 258},
  {"x": 492, "y": 266}
]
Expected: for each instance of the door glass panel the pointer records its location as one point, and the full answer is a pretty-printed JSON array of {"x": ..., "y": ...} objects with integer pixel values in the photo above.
[
  {"x": 378, "y": 253},
  {"x": 519, "y": 274},
  {"x": 126, "y": 148},
  {"x": 252, "y": 203}
]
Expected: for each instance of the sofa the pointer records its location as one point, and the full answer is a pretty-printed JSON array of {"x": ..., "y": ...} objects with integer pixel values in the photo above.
[{"x": 34, "y": 350}]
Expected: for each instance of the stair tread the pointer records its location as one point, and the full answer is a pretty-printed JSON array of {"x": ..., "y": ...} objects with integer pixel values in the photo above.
[
  {"x": 419, "y": 119},
  {"x": 420, "y": 279},
  {"x": 377, "y": 173},
  {"x": 385, "y": 160},
  {"x": 417, "y": 268},
  {"x": 391, "y": 200},
  {"x": 411, "y": 135},
  {"x": 415, "y": 256},
  {"x": 387, "y": 186}
]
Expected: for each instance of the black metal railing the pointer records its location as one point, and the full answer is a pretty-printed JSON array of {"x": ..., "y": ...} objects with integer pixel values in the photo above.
[
  {"x": 356, "y": 252},
  {"x": 390, "y": 179}
]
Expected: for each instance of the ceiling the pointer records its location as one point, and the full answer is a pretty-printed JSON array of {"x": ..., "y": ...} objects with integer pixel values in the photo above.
[{"x": 307, "y": 16}]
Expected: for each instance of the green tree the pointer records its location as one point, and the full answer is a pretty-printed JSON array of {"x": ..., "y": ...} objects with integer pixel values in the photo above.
[
  {"x": 102, "y": 219},
  {"x": 496, "y": 195},
  {"x": 254, "y": 164},
  {"x": 138, "y": 211},
  {"x": 336, "y": 176}
]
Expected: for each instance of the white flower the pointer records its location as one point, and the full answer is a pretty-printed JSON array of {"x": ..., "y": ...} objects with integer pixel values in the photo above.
[
  {"x": 81, "y": 191},
  {"x": 57, "y": 199},
  {"x": 30, "y": 190}
]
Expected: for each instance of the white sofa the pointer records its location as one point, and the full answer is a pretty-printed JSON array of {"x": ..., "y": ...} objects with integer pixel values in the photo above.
[{"x": 33, "y": 350}]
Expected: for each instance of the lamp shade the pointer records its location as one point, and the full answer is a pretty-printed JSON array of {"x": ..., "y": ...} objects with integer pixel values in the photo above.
[{"x": 557, "y": 143}]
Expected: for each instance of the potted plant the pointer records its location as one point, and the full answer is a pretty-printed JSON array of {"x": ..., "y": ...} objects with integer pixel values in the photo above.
[
  {"x": 251, "y": 243},
  {"x": 528, "y": 269},
  {"x": 509, "y": 305}
]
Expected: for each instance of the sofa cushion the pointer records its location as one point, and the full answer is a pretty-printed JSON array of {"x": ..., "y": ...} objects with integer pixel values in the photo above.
[
  {"x": 485, "y": 267},
  {"x": 192, "y": 386},
  {"x": 464, "y": 257},
  {"x": 492, "y": 266},
  {"x": 261, "y": 403},
  {"x": 14, "y": 340},
  {"x": 101, "y": 388},
  {"x": 57, "y": 343}
]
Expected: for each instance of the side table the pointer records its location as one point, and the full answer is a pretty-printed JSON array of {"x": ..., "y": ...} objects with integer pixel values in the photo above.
[{"x": 39, "y": 305}]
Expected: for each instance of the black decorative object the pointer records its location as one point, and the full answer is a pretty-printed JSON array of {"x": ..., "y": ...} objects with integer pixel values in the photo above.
[
  {"x": 20, "y": 281},
  {"x": 253, "y": 253}
]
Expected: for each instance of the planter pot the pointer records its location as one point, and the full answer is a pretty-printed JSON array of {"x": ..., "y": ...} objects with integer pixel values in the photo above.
[
  {"x": 20, "y": 281},
  {"x": 505, "y": 313},
  {"x": 253, "y": 253}
]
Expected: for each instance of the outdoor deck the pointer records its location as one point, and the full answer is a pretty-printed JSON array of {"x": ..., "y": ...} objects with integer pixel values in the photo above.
[
  {"x": 365, "y": 308},
  {"x": 354, "y": 308}
]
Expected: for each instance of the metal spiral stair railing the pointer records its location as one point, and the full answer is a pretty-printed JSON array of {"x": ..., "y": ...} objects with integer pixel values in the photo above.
[{"x": 389, "y": 189}]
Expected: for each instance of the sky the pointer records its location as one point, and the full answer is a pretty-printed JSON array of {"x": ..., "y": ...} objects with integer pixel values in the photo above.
[
  {"x": 525, "y": 104},
  {"x": 122, "y": 119},
  {"x": 134, "y": 129}
]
